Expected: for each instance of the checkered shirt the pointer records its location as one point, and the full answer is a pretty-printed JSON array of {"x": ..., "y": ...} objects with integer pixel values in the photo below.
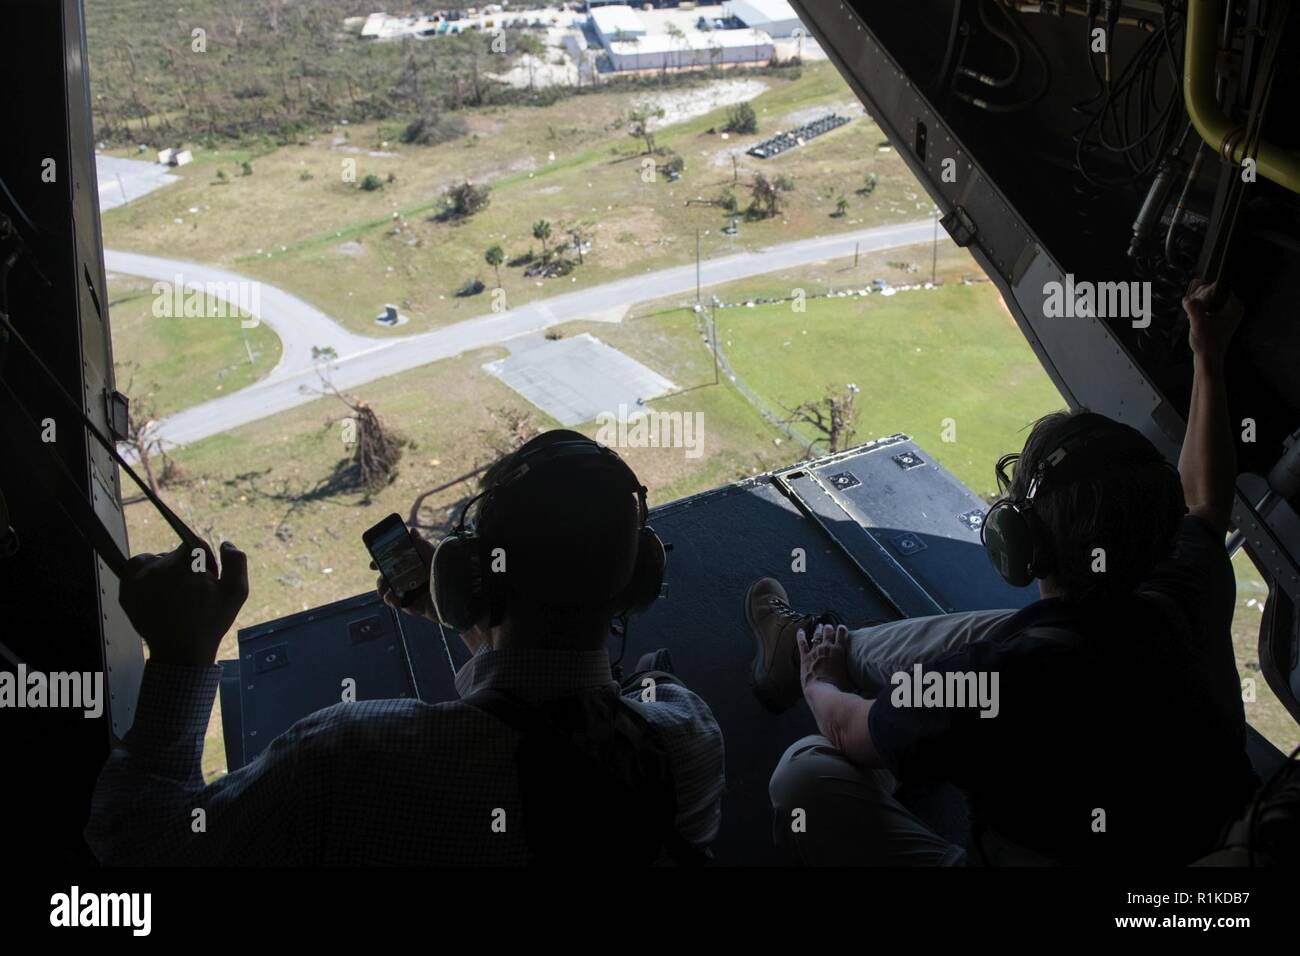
[{"x": 371, "y": 782}]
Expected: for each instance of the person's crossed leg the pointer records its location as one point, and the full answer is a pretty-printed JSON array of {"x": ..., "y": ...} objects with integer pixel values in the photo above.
[{"x": 826, "y": 809}]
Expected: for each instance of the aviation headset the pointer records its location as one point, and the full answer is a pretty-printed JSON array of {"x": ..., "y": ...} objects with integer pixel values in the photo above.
[
  {"x": 463, "y": 585},
  {"x": 1014, "y": 537}
]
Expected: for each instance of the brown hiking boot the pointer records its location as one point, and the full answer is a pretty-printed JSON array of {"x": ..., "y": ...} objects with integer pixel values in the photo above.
[{"x": 775, "y": 624}]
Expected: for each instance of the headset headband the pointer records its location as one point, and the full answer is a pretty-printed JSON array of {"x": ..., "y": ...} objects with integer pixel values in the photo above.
[
  {"x": 530, "y": 461},
  {"x": 1065, "y": 465}
]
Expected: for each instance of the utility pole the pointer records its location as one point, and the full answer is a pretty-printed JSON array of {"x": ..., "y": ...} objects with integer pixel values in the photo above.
[
  {"x": 934, "y": 250},
  {"x": 713, "y": 323},
  {"x": 856, "y": 247},
  {"x": 697, "y": 265}
]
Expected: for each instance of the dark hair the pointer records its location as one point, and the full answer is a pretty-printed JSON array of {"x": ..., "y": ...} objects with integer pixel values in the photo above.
[
  {"x": 570, "y": 541},
  {"x": 1129, "y": 505}
]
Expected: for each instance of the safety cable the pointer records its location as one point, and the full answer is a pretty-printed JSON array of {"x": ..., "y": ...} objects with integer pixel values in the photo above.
[{"x": 95, "y": 533}]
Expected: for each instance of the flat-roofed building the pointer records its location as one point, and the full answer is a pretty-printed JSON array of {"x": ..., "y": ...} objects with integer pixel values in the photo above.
[
  {"x": 660, "y": 51},
  {"x": 775, "y": 17},
  {"x": 633, "y": 43},
  {"x": 617, "y": 22}
]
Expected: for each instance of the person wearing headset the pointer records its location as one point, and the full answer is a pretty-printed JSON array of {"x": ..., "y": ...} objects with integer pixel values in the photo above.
[
  {"x": 1102, "y": 724},
  {"x": 544, "y": 759}
]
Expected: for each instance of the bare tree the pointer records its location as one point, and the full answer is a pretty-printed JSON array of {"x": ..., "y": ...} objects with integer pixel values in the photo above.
[
  {"x": 638, "y": 124},
  {"x": 517, "y": 429},
  {"x": 271, "y": 10},
  {"x": 142, "y": 437},
  {"x": 832, "y": 418},
  {"x": 678, "y": 40},
  {"x": 236, "y": 24},
  {"x": 579, "y": 235}
]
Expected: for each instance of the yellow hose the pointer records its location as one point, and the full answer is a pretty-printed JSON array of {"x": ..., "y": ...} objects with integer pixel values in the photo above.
[{"x": 1224, "y": 137}]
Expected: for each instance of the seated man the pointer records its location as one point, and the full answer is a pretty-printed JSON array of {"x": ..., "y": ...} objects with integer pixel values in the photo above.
[
  {"x": 543, "y": 757},
  {"x": 1101, "y": 724}
]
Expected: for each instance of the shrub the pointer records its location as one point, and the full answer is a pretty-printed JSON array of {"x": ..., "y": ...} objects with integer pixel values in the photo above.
[
  {"x": 464, "y": 199},
  {"x": 432, "y": 129},
  {"x": 741, "y": 119}
]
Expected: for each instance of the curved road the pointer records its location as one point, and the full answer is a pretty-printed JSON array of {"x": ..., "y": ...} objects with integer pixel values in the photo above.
[{"x": 362, "y": 358}]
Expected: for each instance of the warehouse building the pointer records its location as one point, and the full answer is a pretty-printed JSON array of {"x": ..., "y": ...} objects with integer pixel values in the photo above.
[
  {"x": 631, "y": 46},
  {"x": 774, "y": 17},
  {"x": 617, "y": 22}
]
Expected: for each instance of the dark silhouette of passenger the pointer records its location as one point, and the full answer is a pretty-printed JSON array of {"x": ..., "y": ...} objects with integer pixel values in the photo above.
[
  {"x": 545, "y": 758},
  {"x": 1102, "y": 724}
]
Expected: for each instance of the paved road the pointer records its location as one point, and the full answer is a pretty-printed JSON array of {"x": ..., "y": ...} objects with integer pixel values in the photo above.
[
  {"x": 363, "y": 359},
  {"x": 299, "y": 325}
]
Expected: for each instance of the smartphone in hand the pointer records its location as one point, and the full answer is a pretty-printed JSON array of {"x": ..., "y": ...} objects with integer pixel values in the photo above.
[{"x": 391, "y": 545}]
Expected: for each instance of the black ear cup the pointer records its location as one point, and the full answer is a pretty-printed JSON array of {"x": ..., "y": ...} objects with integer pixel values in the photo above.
[
  {"x": 456, "y": 581},
  {"x": 1015, "y": 539},
  {"x": 1009, "y": 542},
  {"x": 647, "y": 576}
]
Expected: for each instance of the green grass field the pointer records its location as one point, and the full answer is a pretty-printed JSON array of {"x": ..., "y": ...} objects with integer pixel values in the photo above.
[
  {"x": 927, "y": 351},
  {"x": 171, "y": 363}
]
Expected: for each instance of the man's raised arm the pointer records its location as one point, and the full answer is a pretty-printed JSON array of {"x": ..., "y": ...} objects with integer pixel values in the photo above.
[{"x": 1208, "y": 462}]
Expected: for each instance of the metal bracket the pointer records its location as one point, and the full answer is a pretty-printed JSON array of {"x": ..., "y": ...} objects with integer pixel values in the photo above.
[
  {"x": 117, "y": 409},
  {"x": 959, "y": 226}
]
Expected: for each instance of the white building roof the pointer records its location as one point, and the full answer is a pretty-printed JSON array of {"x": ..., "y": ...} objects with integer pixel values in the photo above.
[
  {"x": 611, "y": 21},
  {"x": 755, "y": 13}
]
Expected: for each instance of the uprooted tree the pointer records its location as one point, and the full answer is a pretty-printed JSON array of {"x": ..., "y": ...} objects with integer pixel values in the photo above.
[
  {"x": 832, "y": 418},
  {"x": 376, "y": 449},
  {"x": 514, "y": 429},
  {"x": 143, "y": 440}
]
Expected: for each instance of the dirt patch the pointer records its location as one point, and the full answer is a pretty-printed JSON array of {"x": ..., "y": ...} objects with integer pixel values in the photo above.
[
  {"x": 721, "y": 159},
  {"x": 623, "y": 242},
  {"x": 531, "y": 71},
  {"x": 683, "y": 105}
]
